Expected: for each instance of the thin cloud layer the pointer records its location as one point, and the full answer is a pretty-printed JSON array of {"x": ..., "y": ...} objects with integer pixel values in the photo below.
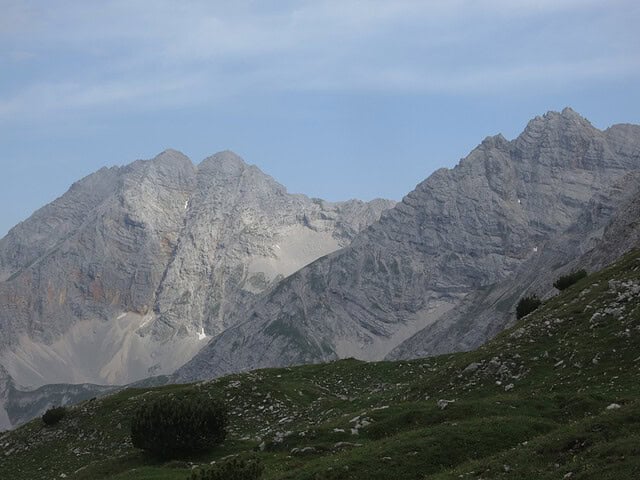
[{"x": 142, "y": 55}]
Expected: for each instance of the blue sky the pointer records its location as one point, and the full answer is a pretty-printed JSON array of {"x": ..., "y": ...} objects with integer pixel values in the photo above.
[{"x": 333, "y": 98}]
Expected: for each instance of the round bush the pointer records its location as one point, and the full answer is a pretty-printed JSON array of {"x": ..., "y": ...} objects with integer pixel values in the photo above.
[
  {"x": 526, "y": 305},
  {"x": 171, "y": 427},
  {"x": 54, "y": 415}
]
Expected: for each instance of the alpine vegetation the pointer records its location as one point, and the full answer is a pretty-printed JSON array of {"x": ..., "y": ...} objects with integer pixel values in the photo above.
[
  {"x": 526, "y": 305},
  {"x": 565, "y": 281},
  {"x": 176, "y": 426}
]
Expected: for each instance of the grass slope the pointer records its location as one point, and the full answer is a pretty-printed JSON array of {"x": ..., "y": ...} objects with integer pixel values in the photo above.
[{"x": 532, "y": 403}]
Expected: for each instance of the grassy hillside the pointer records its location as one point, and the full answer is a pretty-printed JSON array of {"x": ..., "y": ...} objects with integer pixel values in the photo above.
[{"x": 557, "y": 396}]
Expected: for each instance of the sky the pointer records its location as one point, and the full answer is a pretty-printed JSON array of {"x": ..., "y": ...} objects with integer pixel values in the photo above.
[{"x": 336, "y": 99}]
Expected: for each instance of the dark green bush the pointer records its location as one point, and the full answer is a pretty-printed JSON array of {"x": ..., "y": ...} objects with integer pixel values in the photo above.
[
  {"x": 234, "y": 469},
  {"x": 565, "y": 281},
  {"x": 171, "y": 427},
  {"x": 54, "y": 415},
  {"x": 526, "y": 305}
]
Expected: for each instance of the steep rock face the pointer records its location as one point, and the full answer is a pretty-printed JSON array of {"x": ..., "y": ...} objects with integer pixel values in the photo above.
[
  {"x": 459, "y": 231},
  {"x": 110, "y": 236},
  {"x": 129, "y": 273},
  {"x": 52, "y": 224},
  {"x": 606, "y": 230},
  {"x": 242, "y": 233},
  {"x": 5, "y": 387},
  {"x": 621, "y": 234}
]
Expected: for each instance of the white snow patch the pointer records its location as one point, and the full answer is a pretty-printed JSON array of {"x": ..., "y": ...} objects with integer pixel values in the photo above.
[
  {"x": 122, "y": 315},
  {"x": 535, "y": 249},
  {"x": 202, "y": 335},
  {"x": 186, "y": 204}
]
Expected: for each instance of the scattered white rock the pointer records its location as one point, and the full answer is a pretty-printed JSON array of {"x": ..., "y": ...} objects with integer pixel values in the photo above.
[
  {"x": 303, "y": 451},
  {"x": 442, "y": 404},
  {"x": 346, "y": 445},
  {"x": 472, "y": 367}
]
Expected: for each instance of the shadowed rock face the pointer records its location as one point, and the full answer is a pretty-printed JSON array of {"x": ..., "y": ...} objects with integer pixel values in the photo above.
[
  {"x": 605, "y": 230},
  {"x": 134, "y": 268},
  {"x": 458, "y": 232}
]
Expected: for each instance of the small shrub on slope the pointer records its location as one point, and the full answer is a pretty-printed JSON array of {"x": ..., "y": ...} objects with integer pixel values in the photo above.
[
  {"x": 565, "y": 281},
  {"x": 526, "y": 305},
  {"x": 54, "y": 415},
  {"x": 171, "y": 427}
]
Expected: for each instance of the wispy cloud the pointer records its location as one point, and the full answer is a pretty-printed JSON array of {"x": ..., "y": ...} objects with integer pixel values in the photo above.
[
  {"x": 96, "y": 56},
  {"x": 46, "y": 97}
]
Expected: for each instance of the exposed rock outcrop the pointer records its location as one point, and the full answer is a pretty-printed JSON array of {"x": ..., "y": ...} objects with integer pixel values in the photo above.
[{"x": 131, "y": 271}]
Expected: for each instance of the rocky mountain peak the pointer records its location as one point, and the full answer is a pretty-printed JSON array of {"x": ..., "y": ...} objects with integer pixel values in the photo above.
[
  {"x": 494, "y": 141},
  {"x": 225, "y": 162},
  {"x": 558, "y": 124},
  {"x": 570, "y": 112},
  {"x": 226, "y": 171},
  {"x": 171, "y": 155},
  {"x": 169, "y": 160}
]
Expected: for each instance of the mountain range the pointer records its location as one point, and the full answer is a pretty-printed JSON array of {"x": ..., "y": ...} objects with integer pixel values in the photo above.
[{"x": 210, "y": 269}]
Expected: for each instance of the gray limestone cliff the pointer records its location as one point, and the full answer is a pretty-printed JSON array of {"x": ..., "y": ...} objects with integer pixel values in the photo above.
[
  {"x": 608, "y": 227},
  {"x": 131, "y": 271},
  {"x": 457, "y": 234}
]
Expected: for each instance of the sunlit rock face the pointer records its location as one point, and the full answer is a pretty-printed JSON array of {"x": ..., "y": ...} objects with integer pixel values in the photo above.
[{"x": 135, "y": 268}]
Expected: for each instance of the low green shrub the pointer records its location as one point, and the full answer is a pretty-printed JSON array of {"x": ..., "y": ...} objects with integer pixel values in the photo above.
[
  {"x": 526, "y": 305},
  {"x": 171, "y": 427},
  {"x": 233, "y": 469},
  {"x": 565, "y": 281},
  {"x": 54, "y": 415}
]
